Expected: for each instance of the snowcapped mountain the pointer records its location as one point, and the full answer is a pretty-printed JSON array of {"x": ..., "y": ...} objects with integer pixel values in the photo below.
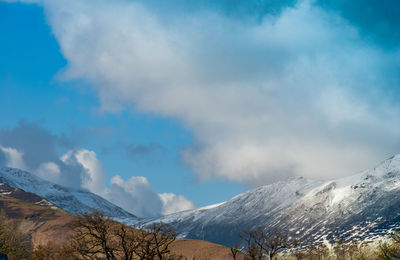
[
  {"x": 364, "y": 207},
  {"x": 74, "y": 201}
]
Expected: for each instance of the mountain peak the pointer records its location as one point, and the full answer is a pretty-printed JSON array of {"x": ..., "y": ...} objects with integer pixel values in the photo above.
[
  {"x": 73, "y": 200},
  {"x": 368, "y": 202}
]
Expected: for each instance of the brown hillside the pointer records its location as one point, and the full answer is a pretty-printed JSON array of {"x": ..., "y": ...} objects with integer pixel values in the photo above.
[
  {"x": 198, "y": 249},
  {"x": 46, "y": 223}
]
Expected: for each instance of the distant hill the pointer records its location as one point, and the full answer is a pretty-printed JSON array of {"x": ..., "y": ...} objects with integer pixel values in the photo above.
[
  {"x": 74, "y": 201},
  {"x": 44, "y": 222},
  {"x": 364, "y": 207}
]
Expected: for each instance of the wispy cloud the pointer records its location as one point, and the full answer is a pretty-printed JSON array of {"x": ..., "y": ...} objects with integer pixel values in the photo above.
[{"x": 144, "y": 151}]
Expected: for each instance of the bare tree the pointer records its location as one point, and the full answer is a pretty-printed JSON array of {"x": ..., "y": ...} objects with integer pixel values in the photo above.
[
  {"x": 12, "y": 242},
  {"x": 300, "y": 254},
  {"x": 390, "y": 249},
  {"x": 94, "y": 237},
  {"x": 128, "y": 241},
  {"x": 155, "y": 241},
  {"x": 252, "y": 249},
  {"x": 52, "y": 251},
  {"x": 385, "y": 251},
  {"x": 97, "y": 236},
  {"x": 235, "y": 250},
  {"x": 317, "y": 251},
  {"x": 339, "y": 248},
  {"x": 262, "y": 243}
]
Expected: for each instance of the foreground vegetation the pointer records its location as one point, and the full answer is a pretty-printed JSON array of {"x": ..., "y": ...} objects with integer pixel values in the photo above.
[
  {"x": 263, "y": 244},
  {"x": 94, "y": 236},
  {"x": 98, "y": 237}
]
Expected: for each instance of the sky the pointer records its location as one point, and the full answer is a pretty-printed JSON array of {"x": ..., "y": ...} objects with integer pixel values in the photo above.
[{"x": 161, "y": 106}]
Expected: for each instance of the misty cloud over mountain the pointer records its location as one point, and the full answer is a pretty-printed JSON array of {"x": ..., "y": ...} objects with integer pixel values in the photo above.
[{"x": 31, "y": 147}]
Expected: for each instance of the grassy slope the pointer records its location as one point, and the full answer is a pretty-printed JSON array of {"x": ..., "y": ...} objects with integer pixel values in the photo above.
[
  {"x": 46, "y": 224},
  {"x": 198, "y": 249},
  {"x": 42, "y": 223}
]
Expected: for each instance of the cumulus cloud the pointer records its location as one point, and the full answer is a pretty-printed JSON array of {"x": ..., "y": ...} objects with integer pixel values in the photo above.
[
  {"x": 13, "y": 158},
  {"x": 292, "y": 89},
  {"x": 49, "y": 171},
  {"x": 135, "y": 195},
  {"x": 95, "y": 179},
  {"x": 174, "y": 203},
  {"x": 38, "y": 151},
  {"x": 79, "y": 168}
]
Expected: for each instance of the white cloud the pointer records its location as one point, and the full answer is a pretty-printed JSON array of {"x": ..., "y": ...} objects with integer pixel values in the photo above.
[
  {"x": 32, "y": 148},
  {"x": 297, "y": 93},
  {"x": 135, "y": 195},
  {"x": 96, "y": 175},
  {"x": 14, "y": 158},
  {"x": 49, "y": 171},
  {"x": 174, "y": 203}
]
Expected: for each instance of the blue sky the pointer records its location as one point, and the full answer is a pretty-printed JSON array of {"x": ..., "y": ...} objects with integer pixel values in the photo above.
[
  {"x": 203, "y": 99},
  {"x": 31, "y": 92}
]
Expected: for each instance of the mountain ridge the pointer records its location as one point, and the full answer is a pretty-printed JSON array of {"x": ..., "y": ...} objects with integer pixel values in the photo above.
[
  {"x": 364, "y": 207},
  {"x": 74, "y": 201}
]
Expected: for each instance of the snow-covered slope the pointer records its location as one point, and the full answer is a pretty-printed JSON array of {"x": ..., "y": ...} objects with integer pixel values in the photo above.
[
  {"x": 364, "y": 206},
  {"x": 75, "y": 201}
]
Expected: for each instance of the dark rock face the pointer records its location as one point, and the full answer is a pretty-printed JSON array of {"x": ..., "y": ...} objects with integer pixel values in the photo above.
[{"x": 13, "y": 192}]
